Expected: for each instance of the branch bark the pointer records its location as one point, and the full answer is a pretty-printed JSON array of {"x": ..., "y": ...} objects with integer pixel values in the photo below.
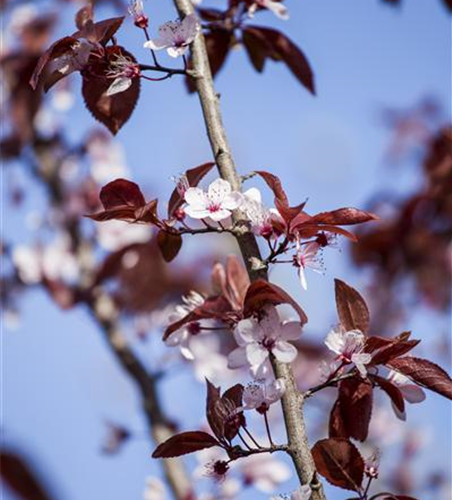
[{"x": 292, "y": 401}]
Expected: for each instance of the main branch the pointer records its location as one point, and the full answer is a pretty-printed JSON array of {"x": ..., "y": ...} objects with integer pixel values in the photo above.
[{"x": 292, "y": 401}]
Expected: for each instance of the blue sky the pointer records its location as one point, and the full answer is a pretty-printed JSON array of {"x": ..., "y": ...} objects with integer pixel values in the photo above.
[{"x": 59, "y": 380}]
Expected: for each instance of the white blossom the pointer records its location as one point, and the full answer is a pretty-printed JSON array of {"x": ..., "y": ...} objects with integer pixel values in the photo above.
[
  {"x": 264, "y": 471},
  {"x": 260, "y": 395},
  {"x": 183, "y": 336},
  {"x": 410, "y": 392},
  {"x": 303, "y": 493},
  {"x": 277, "y": 8},
  {"x": 217, "y": 203},
  {"x": 307, "y": 256},
  {"x": 257, "y": 214},
  {"x": 348, "y": 345},
  {"x": 176, "y": 36},
  {"x": 154, "y": 490},
  {"x": 116, "y": 234},
  {"x": 257, "y": 339}
]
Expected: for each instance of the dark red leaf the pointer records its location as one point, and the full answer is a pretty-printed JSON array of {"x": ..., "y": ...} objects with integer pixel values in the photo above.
[
  {"x": 57, "y": 49},
  {"x": 184, "y": 443},
  {"x": 274, "y": 183},
  {"x": 392, "y": 391},
  {"x": 112, "y": 111},
  {"x": 20, "y": 477},
  {"x": 355, "y": 407},
  {"x": 121, "y": 192},
  {"x": 281, "y": 47},
  {"x": 194, "y": 175},
  {"x": 393, "y": 350},
  {"x": 343, "y": 217},
  {"x": 424, "y": 373},
  {"x": 169, "y": 244},
  {"x": 237, "y": 282},
  {"x": 234, "y": 394},
  {"x": 261, "y": 293},
  {"x": 336, "y": 426},
  {"x": 351, "y": 307},
  {"x": 100, "y": 32},
  {"x": 339, "y": 461},
  {"x": 256, "y": 47},
  {"x": 214, "y": 416},
  {"x": 83, "y": 15}
]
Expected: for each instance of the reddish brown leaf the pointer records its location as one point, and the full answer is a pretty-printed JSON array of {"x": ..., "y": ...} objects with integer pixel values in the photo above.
[
  {"x": 391, "y": 390},
  {"x": 169, "y": 244},
  {"x": 214, "y": 417},
  {"x": 20, "y": 477},
  {"x": 57, "y": 49},
  {"x": 100, "y": 32},
  {"x": 83, "y": 15},
  {"x": 343, "y": 217},
  {"x": 257, "y": 48},
  {"x": 184, "y": 443},
  {"x": 261, "y": 293},
  {"x": 237, "y": 282},
  {"x": 274, "y": 183},
  {"x": 113, "y": 111},
  {"x": 121, "y": 192},
  {"x": 354, "y": 406},
  {"x": 194, "y": 176},
  {"x": 424, "y": 373},
  {"x": 351, "y": 307},
  {"x": 280, "y": 47},
  {"x": 393, "y": 350},
  {"x": 339, "y": 461}
]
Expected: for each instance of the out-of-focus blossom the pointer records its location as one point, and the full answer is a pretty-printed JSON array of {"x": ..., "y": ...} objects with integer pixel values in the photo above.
[
  {"x": 154, "y": 489},
  {"x": 348, "y": 345},
  {"x": 176, "y": 36},
  {"x": 307, "y": 256},
  {"x": 263, "y": 471},
  {"x": 117, "y": 435},
  {"x": 303, "y": 493},
  {"x": 277, "y": 8},
  {"x": 411, "y": 392},
  {"x": 115, "y": 234},
  {"x": 209, "y": 362},
  {"x": 136, "y": 10},
  {"x": 372, "y": 464},
  {"x": 257, "y": 339},
  {"x": 256, "y": 213},
  {"x": 217, "y": 203},
  {"x": 53, "y": 262},
  {"x": 123, "y": 71},
  {"x": 259, "y": 395},
  {"x": 183, "y": 336},
  {"x": 107, "y": 161}
]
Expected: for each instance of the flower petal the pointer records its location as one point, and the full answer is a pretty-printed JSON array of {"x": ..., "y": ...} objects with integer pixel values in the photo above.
[
  {"x": 284, "y": 351},
  {"x": 218, "y": 191},
  {"x": 220, "y": 215},
  {"x": 255, "y": 353},
  {"x": 119, "y": 84},
  {"x": 245, "y": 332},
  {"x": 290, "y": 330},
  {"x": 177, "y": 51},
  {"x": 156, "y": 44},
  {"x": 237, "y": 358}
]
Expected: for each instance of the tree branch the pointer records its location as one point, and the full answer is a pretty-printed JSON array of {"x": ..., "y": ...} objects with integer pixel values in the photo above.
[
  {"x": 105, "y": 313},
  {"x": 292, "y": 400}
]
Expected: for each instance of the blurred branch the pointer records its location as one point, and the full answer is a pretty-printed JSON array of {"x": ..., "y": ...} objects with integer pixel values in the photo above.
[{"x": 105, "y": 313}]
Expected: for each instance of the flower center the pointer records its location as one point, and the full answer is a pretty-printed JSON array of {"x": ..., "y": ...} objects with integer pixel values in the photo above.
[
  {"x": 214, "y": 207},
  {"x": 268, "y": 343},
  {"x": 194, "y": 328}
]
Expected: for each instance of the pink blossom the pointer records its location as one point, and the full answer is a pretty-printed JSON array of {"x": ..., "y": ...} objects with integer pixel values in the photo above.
[
  {"x": 348, "y": 345},
  {"x": 175, "y": 36},
  {"x": 257, "y": 339},
  {"x": 123, "y": 71},
  {"x": 277, "y": 8},
  {"x": 183, "y": 336},
  {"x": 256, "y": 213},
  {"x": 307, "y": 256},
  {"x": 264, "y": 471},
  {"x": 217, "y": 203},
  {"x": 259, "y": 396},
  {"x": 410, "y": 392}
]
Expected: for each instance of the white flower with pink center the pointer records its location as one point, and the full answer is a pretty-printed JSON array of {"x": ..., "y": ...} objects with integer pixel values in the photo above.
[
  {"x": 258, "y": 215},
  {"x": 307, "y": 256},
  {"x": 259, "y": 396},
  {"x": 136, "y": 10},
  {"x": 183, "y": 336},
  {"x": 257, "y": 339},
  {"x": 264, "y": 471},
  {"x": 123, "y": 71},
  {"x": 349, "y": 345},
  {"x": 410, "y": 392},
  {"x": 176, "y": 36},
  {"x": 217, "y": 203}
]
